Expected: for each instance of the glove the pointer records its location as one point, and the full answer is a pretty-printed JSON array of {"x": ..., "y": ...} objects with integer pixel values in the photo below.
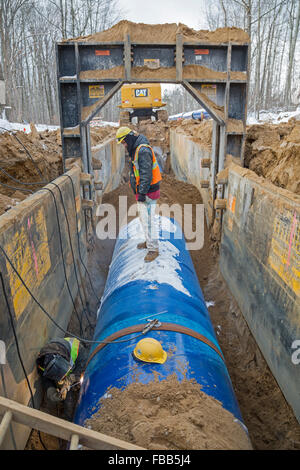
[
  {"x": 141, "y": 198},
  {"x": 53, "y": 395}
]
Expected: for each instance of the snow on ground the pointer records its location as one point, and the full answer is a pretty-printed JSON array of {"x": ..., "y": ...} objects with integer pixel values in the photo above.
[
  {"x": 273, "y": 118},
  {"x": 16, "y": 126},
  {"x": 264, "y": 117},
  {"x": 98, "y": 123}
]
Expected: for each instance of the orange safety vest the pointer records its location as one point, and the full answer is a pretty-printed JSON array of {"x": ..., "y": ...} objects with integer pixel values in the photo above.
[{"x": 156, "y": 176}]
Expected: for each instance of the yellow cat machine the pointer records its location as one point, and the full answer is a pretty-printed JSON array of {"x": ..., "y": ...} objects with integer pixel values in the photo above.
[{"x": 141, "y": 100}]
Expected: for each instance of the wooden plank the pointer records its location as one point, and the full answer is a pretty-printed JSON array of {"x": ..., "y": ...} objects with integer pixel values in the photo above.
[
  {"x": 62, "y": 429},
  {"x": 74, "y": 442},
  {"x": 4, "y": 425}
]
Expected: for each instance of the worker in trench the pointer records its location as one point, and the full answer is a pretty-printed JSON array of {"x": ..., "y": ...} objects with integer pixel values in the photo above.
[
  {"x": 61, "y": 363},
  {"x": 145, "y": 180}
]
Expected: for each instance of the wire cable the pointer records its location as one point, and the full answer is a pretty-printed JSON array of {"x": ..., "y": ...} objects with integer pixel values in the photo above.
[
  {"x": 78, "y": 240},
  {"x": 68, "y": 226},
  {"x": 72, "y": 252},
  {"x": 65, "y": 331},
  {"x": 65, "y": 212},
  {"x": 16, "y": 189},
  {"x": 21, "y": 182},
  {"x": 28, "y": 153},
  {"x": 18, "y": 350},
  {"x": 71, "y": 245},
  {"x": 63, "y": 258},
  {"x": 76, "y": 216}
]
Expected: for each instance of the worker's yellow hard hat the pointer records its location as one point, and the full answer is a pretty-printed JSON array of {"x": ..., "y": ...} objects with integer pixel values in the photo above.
[
  {"x": 150, "y": 350},
  {"x": 122, "y": 133}
]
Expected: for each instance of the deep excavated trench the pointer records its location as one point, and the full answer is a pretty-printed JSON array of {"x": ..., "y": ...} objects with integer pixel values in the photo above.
[{"x": 270, "y": 420}]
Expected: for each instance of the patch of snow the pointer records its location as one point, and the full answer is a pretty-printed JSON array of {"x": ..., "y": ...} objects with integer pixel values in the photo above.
[
  {"x": 165, "y": 269},
  {"x": 273, "y": 118},
  {"x": 96, "y": 123},
  {"x": 16, "y": 126}
]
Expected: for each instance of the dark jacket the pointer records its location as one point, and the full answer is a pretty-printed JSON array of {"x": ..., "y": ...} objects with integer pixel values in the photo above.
[
  {"x": 61, "y": 348},
  {"x": 145, "y": 168}
]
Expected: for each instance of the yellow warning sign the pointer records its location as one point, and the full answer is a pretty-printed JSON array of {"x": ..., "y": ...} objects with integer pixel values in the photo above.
[
  {"x": 96, "y": 91},
  {"x": 284, "y": 255},
  {"x": 152, "y": 63},
  {"x": 209, "y": 90}
]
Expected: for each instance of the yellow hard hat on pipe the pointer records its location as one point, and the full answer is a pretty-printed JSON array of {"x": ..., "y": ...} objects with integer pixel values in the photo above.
[{"x": 150, "y": 350}]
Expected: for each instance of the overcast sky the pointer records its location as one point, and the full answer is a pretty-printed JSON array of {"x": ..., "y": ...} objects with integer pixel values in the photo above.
[{"x": 164, "y": 11}]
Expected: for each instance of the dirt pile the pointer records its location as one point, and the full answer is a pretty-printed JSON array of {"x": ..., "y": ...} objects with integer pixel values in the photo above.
[
  {"x": 199, "y": 131},
  {"x": 168, "y": 414},
  {"x": 163, "y": 73},
  {"x": 43, "y": 164},
  {"x": 273, "y": 151},
  {"x": 164, "y": 34},
  {"x": 100, "y": 134},
  {"x": 34, "y": 157},
  {"x": 157, "y": 132}
]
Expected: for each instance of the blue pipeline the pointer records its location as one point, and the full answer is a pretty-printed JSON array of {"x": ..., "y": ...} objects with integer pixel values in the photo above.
[{"x": 168, "y": 290}]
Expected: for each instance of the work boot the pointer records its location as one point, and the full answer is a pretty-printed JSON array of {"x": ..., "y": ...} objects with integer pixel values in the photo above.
[
  {"x": 142, "y": 246},
  {"x": 151, "y": 256}
]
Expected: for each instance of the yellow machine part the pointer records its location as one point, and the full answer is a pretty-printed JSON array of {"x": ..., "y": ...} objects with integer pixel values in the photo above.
[{"x": 141, "y": 95}]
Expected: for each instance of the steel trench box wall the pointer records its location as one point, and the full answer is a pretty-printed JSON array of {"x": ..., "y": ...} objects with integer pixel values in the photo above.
[
  {"x": 186, "y": 161},
  {"x": 29, "y": 235},
  {"x": 112, "y": 157},
  {"x": 260, "y": 261}
]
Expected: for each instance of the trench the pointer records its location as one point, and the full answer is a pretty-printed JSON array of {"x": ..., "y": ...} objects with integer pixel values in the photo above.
[
  {"x": 266, "y": 413},
  {"x": 268, "y": 417}
]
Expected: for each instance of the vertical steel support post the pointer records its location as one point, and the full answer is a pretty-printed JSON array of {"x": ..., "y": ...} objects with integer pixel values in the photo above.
[{"x": 179, "y": 52}]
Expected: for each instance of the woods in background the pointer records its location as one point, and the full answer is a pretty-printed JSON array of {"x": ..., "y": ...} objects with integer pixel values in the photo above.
[
  {"x": 274, "y": 59},
  {"x": 29, "y": 30}
]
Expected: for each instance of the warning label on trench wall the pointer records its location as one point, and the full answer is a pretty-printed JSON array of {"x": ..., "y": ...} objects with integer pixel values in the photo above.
[
  {"x": 28, "y": 251},
  {"x": 284, "y": 255},
  {"x": 96, "y": 91}
]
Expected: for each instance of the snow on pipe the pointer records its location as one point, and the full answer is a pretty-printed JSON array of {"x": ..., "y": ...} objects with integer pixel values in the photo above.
[{"x": 168, "y": 290}]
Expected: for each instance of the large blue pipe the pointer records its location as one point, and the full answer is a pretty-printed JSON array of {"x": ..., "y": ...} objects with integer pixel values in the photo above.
[{"x": 168, "y": 290}]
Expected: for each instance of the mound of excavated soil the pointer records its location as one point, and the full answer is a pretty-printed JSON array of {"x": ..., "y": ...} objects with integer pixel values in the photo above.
[
  {"x": 273, "y": 151},
  {"x": 164, "y": 33},
  {"x": 100, "y": 134},
  {"x": 168, "y": 414},
  {"x": 45, "y": 150},
  {"x": 46, "y": 163}
]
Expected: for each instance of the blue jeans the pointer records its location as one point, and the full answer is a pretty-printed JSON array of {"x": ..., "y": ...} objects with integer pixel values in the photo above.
[{"x": 147, "y": 218}]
